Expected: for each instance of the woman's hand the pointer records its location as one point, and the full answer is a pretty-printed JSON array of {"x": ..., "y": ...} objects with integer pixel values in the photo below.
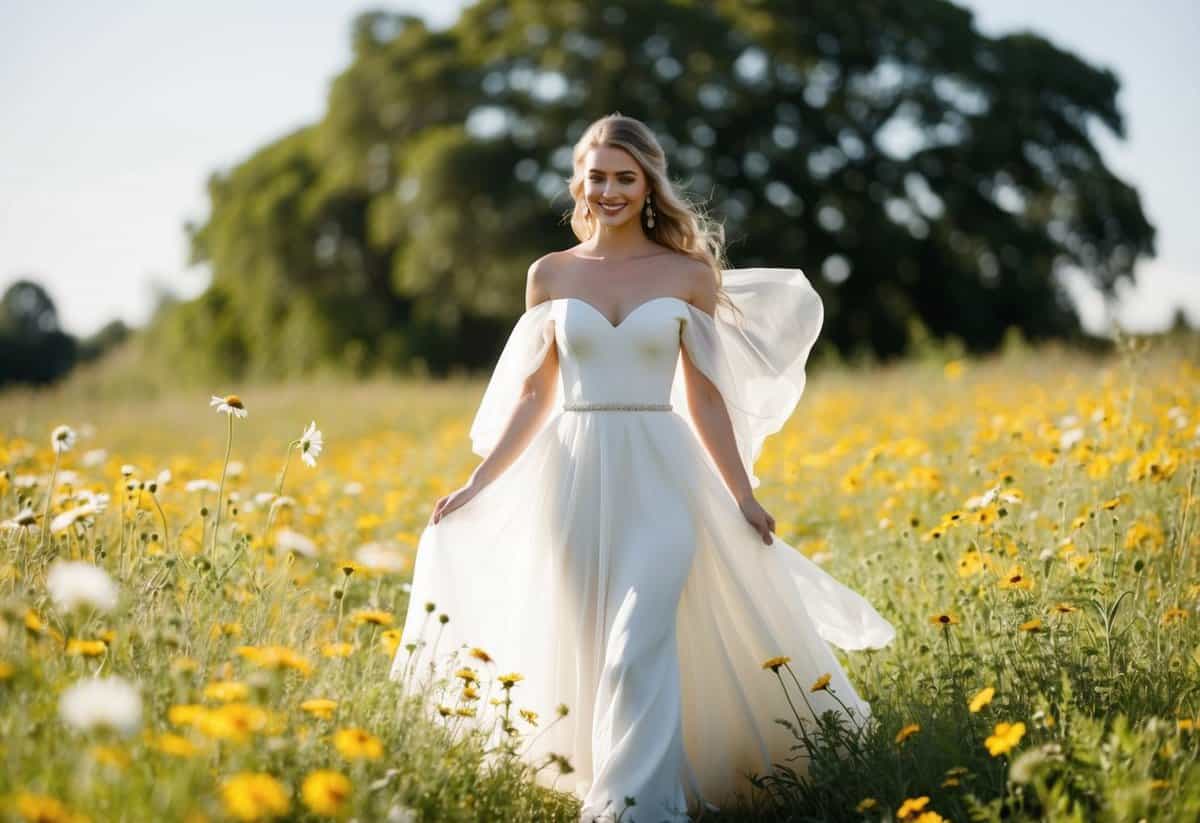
[
  {"x": 759, "y": 518},
  {"x": 455, "y": 499}
]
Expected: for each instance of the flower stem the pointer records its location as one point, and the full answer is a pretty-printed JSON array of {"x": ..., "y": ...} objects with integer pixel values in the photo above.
[
  {"x": 278, "y": 490},
  {"x": 49, "y": 497},
  {"x": 221, "y": 489}
]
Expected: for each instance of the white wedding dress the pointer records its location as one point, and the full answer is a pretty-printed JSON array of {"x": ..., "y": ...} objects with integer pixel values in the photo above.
[{"x": 611, "y": 567}]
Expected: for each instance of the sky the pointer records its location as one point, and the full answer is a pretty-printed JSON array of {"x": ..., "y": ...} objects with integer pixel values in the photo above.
[{"x": 116, "y": 114}]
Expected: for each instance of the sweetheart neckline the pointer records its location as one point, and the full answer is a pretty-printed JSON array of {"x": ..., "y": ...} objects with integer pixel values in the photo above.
[{"x": 624, "y": 319}]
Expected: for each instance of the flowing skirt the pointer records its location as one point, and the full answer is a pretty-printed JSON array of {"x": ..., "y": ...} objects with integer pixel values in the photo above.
[{"x": 612, "y": 569}]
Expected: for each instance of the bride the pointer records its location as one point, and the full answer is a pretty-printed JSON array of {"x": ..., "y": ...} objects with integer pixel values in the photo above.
[{"x": 609, "y": 552}]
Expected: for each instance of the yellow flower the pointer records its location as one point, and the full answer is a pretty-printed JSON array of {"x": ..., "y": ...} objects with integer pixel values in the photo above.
[
  {"x": 321, "y": 707},
  {"x": 185, "y": 714},
  {"x": 226, "y": 630},
  {"x": 907, "y": 732},
  {"x": 1033, "y": 625},
  {"x": 775, "y": 662},
  {"x": 929, "y": 817},
  {"x": 226, "y": 691},
  {"x": 355, "y": 744},
  {"x": 1065, "y": 608},
  {"x": 110, "y": 756},
  {"x": 6, "y": 670},
  {"x": 467, "y": 675},
  {"x": 530, "y": 716},
  {"x": 480, "y": 654},
  {"x": 40, "y": 808},
  {"x": 1173, "y": 615},
  {"x": 174, "y": 745},
  {"x": 943, "y": 620},
  {"x": 184, "y": 664},
  {"x": 325, "y": 792},
  {"x": 1015, "y": 578},
  {"x": 465, "y": 711},
  {"x": 390, "y": 640},
  {"x": 970, "y": 563},
  {"x": 1006, "y": 736},
  {"x": 233, "y": 721},
  {"x": 509, "y": 680},
  {"x": 820, "y": 683},
  {"x": 254, "y": 796},
  {"x": 275, "y": 657},
  {"x": 911, "y": 806},
  {"x": 982, "y": 698},
  {"x": 86, "y": 648},
  {"x": 470, "y": 693},
  {"x": 866, "y": 804},
  {"x": 337, "y": 650},
  {"x": 373, "y": 616}
]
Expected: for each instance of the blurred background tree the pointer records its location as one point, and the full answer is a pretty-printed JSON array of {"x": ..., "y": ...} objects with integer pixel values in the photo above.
[
  {"x": 924, "y": 176},
  {"x": 33, "y": 348}
]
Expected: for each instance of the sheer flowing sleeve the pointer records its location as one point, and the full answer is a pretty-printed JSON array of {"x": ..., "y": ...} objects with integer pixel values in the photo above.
[
  {"x": 757, "y": 360},
  {"x": 525, "y": 350}
]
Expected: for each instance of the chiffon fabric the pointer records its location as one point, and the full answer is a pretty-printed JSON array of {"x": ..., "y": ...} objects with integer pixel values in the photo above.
[{"x": 610, "y": 566}]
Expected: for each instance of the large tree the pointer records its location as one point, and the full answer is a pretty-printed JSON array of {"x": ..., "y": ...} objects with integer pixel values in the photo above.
[
  {"x": 33, "y": 348},
  {"x": 911, "y": 165}
]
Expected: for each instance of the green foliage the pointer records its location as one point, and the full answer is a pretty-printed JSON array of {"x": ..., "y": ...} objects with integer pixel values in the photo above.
[{"x": 924, "y": 175}]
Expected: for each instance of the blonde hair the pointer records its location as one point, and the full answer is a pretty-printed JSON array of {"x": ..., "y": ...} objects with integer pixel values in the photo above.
[{"x": 679, "y": 224}]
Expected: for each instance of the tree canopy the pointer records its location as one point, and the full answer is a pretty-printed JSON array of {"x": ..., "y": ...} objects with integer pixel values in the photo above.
[{"x": 911, "y": 165}]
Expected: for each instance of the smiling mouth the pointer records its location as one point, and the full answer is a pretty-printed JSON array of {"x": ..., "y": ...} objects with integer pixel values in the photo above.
[{"x": 611, "y": 209}]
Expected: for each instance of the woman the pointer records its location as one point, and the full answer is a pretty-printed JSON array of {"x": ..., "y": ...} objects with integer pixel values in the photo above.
[{"x": 609, "y": 548}]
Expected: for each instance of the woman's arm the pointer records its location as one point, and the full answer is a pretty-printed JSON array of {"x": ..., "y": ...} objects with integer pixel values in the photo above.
[
  {"x": 712, "y": 421},
  {"x": 537, "y": 395}
]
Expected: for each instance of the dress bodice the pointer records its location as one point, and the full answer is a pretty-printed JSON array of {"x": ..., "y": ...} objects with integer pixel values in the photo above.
[{"x": 631, "y": 362}]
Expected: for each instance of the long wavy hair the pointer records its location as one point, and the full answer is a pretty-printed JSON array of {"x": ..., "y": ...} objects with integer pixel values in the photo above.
[{"x": 679, "y": 223}]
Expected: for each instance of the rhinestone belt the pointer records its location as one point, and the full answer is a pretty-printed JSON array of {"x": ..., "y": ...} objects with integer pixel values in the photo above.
[{"x": 616, "y": 406}]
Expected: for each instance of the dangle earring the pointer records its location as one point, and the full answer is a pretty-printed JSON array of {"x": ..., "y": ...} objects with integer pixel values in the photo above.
[{"x": 649, "y": 213}]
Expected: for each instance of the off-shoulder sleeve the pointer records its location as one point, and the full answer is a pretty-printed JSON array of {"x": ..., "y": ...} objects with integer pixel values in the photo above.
[
  {"x": 757, "y": 360},
  {"x": 524, "y": 351}
]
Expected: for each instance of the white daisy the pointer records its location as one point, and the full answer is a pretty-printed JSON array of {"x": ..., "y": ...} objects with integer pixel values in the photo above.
[
  {"x": 164, "y": 477},
  {"x": 201, "y": 486},
  {"x": 102, "y": 703},
  {"x": 127, "y": 470},
  {"x": 62, "y": 439},
  {"x": 311, "y": 444},
  {"x": 73, "y": 583},
  {"x": 288, "y": 540},
  {"x": 383, "y": 557},
  {"x": 283, "y": 502},
  {"x": 66, "y": 477},
  {"x": 235, "y": 468},
  {"x": 94, "y": 457},
  {"x": 353, "y": 488},
  {"x": 230, "y": 404},
  {"x": 24, "y": 519},
  {"x": 63, "y": 521}
]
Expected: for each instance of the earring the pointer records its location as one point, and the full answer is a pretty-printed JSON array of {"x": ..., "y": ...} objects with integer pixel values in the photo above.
[{"x": 649, "y": 213}]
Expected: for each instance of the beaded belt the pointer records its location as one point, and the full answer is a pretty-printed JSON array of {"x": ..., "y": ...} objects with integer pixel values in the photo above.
[{"x": 616, "y": 406}]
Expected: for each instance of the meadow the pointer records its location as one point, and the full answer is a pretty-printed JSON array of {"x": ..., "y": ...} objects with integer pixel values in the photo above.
[{"x": 197, "y": 624}]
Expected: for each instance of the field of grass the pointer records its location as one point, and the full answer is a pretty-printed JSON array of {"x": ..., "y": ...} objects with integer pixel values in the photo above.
[{"x": 1027, "y": 522}]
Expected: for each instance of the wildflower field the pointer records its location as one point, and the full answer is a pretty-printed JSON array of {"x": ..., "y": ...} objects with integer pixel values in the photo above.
[{"x": 201, "y": 595}]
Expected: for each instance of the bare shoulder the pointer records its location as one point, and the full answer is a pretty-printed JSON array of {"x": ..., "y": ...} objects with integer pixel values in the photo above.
[
  {"x": 540, "y": 280},
  {"x": 699, "y": 280}
]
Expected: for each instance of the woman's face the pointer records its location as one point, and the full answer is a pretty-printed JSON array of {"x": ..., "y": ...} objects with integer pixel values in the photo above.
[{"x": 613, "y": 185}]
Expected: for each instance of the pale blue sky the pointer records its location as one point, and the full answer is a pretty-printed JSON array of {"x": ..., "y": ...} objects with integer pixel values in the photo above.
[{"x": 115, "y": 114}]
